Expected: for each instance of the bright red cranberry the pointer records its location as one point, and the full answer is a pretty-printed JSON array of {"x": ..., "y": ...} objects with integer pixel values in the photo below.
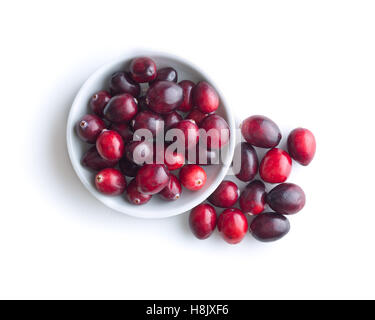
[
  {"x": 123, "y": 129},
  {"x": 92, "y": 160},
  {"x": 193, "y": 177},
  {"x": 197, "y": 116},
  {"x": 134, "y": 196},
  {"x": 286, "y": 198},
  {"x": 205, "y": 97},
  {"x": 232, "y": 225},
  {"x": 253, "y": 198},
  {"x": 139, "y": 152},
  {"x": 90, "y": 127},
  {"x": 143, "y": 69},
  {"x": 121, "y": 108},
  {"x": 110, "y": 181},
  {"x": 128, "y": 168},
  {"x": 173, "y": 160},
  {"x": 110, "y": 145},
  {"x": 217, "y": 130},
  {"x": 166, "y": 74},
  {"x": 202, "y": 220},
  {"x": 98, "y": 102},
  {"x": 187, "y": 102},
  {"x": 164, "y": 96},
  {"x": 245, "y": 162},
  {"x": 203, "y": 156},
  {"x": 275, "y": 166},
  {"x": 172, "y": 191},
  {"x": 150, "y": 121},
  {"x": 189, "y": 131},
  {"x": 171, "y": 119},
  {"x": 225, "y": 195},
  {"x": 152, "y": 178},
  {"x": 261, "y": 132},
  {"x": 121, "y": 82},
  {"x": 301, "y": 145},
  {"x": 269, "y": 226}
]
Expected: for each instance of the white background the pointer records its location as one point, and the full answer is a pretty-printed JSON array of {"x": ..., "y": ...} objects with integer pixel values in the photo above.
[{"x": 302, "y": 63}]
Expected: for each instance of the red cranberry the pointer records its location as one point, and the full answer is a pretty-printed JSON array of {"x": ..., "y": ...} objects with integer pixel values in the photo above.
[
  {"x": 124, "y": 130},
  {"x": 152, "y": 178},
  {"x": 134, "y": 196},
  {"x": 286, "y": 198},
  {"x": 121, "y": 108},
  {"x": 128, "y": 168},
  {"x": 173, "y": 160},
  {"x": 269, "y": 226},
  {"x": 92, "y": 160},
  {"x": 193, "y": 177},
  {"x": 253, "y": 198},
  {"x": 187, "y": 102},
  {"x": 164, "y": 96},
  {"x": 261, "y": 132},
  {"x": 189, "y": 131},
  {"x": 301, "y": 145},
  {"x": 217, "y": 130},
  {"x": 166, "y": 74},
  {"x": 204, "y": 156},
  {"x": 232, "y": 225},
  {"x": 98, "y": 102},
  {"x": 172, "y": 191},
  {"x": 110, "y": 145},
  {"x": 139, "y": 152},
  {"x": 121, "y": 82},
  {"x": 202, "y": 221},
  {"x": 275, "y": 166},
  {"x": 205, "y": 97},
  {"x": 90, "y": 127},
  {"x": 197, "y": 116},
  {"x": 150, "y": 121},
  {"x": 226, "y": 195},
  {"x": 245, "y": 162},
  {"x": 110, "y": 181},
  {"x": 143, "y": 69},
  {"x": 171, "y": 119}
]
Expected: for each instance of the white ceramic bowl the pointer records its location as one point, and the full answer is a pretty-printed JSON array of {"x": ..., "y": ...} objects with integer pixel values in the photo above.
[{"x": 156, "y": 208}]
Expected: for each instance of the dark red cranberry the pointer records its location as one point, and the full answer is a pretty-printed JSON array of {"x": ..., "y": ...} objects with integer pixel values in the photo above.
[
  {"x": 143, "y": 69},
  {"x": 128, "y": 168},
  {"x": 152, "y": 178},
  {"x": 150, "y": 121},
  {"x": 92, "y": 160},
  {"x": 89, "y": 128},
  {"x": 275, "y": 166},
  {"x": 225, "y": 195},
  {"x": 139, "y": 152},
  {"x": 269, "y": 226},
  {"x": 261, "y": 132},
  {"x": 253, "y": 198},
  {"x": 110, "y": 181},
  {"x": 192, "y": 177},
  {"x": 166, "y": 74},
  {"x": 110, "y": 145},
  {"x": 187, "y": 102},
  {"x": 205, "y": 97},
  {"x": 188, "y": 133},
  {"x": 172, "y": 119},
  {"x": 121, "y": 108},
  {"x": 202, "y": 220},
  {"x": 172, "y": 191},
  {"x": 286, "y": 198},
  {"x": 98, "y": 102},
  {"x": 173, "y": 160},
  {"x": 123, "y": 129},
  {"x": 134, "y": 196},
  {"x": 197, "y": 116},
  {"x": 121, "y": 82},
  {"x": 301, "y": 145},
  {"x": 232, "y": 225},
  {"x": 203, "y": 156},
  {"x": 164, "y": 96},
  {"x": 217, "y": 131},
  {"x": 142, "y": 104},
  {"x": 245, "y": 162}
]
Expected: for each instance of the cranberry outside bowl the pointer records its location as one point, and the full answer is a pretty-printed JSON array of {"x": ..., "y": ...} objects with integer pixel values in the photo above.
[{"x": 156, "y": 208}]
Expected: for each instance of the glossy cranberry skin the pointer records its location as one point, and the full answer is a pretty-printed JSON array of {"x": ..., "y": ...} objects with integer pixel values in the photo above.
[
  {"x": 110, "y": 145},
  {"x": 143, "y": 69},
  {"x": 302, "y": 145},
  {"x": 202, "y": 221},
  {"x": 98, "y": 102},
  {"x": 134, "y": 196},
  {"x": 166, "y": 74},
  {"x": 261, "y": 132},
  {"x": 139, "y": 152},
  {"x": 225, "y": 195},
  {"x": 164, "y": 96},
  {"x": 92, "y": 160},
  {"x": 205, "y": 97},
  {"x": 218, "y": 131},
  {"x": 286, "y": 198},
  {"x": 275, "y": 166},
  {"x": 203, "y": 156},
  {"x": 173, "y": 160},
  {"x": 245, "y": 162},
  {"x": 197, "y": 116},
  {"x": 232, "y": 224},
  {"x": 192, "y": 177},
  {"x": 269, "y": 226},
  {"x": 89, "y": 128},
  {"x": 253, "y": 198},
  {"x": 128, "y": 168},
  {"x": 124, "y": 130},
  {"x": 150, "y": 121},
  {"x": 172, "y": 191},
  {"x": 110, "y": 182},
  {"x": 121, "y": 82},
  {"x": 152, "y": 178},
  {"x": 190, "y": 133},
  {"x": 121, "y": 108},
  {"x": 171, "y": 119},
  {"x": 187, "y": 102}
]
